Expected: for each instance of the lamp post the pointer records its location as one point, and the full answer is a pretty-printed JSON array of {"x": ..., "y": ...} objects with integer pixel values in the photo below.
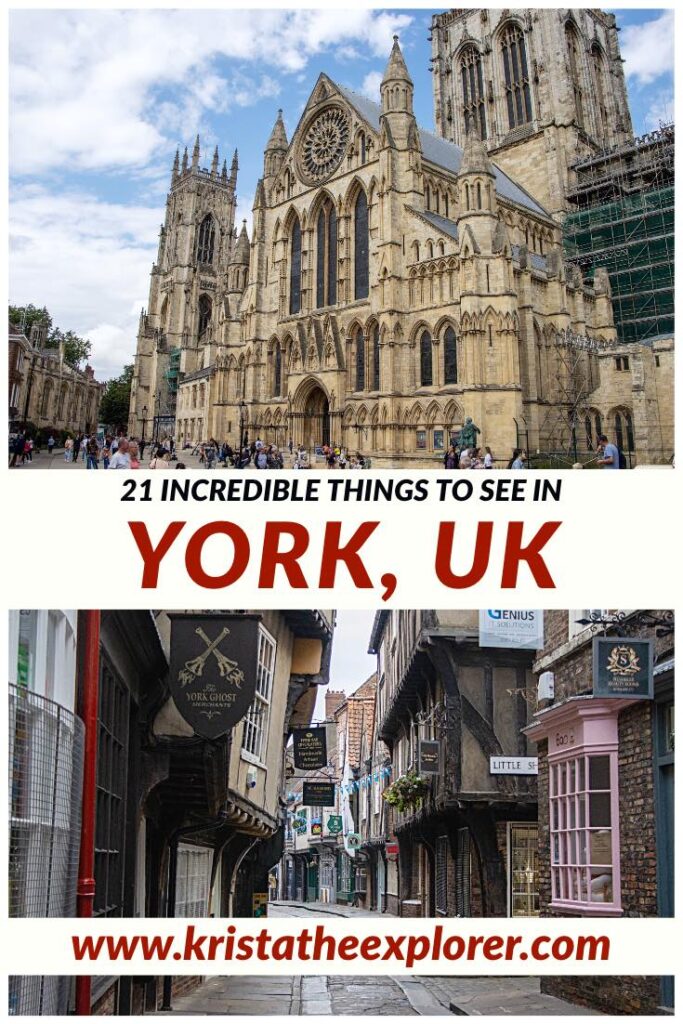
[
  {"x": 144, "y": 421},
  {"x": 243, "y": 406}
]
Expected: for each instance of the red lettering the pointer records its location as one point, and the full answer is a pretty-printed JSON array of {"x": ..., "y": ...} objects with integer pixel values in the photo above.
[
  {"x": 333, "y": 553},
  {"x": 480, "y": 561},
  {"x": 240, "y": 557},
  {"x": 289, "y": 560},
  {"x": 152, "y": 557},
  {"x": 515, "y": 553}
]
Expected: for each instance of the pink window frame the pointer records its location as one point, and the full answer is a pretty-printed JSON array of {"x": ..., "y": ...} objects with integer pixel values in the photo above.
[{"x": 583, "y": 727}]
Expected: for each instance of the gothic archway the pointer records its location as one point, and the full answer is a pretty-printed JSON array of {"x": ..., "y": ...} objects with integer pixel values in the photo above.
[{"x": 311, "y": 415}]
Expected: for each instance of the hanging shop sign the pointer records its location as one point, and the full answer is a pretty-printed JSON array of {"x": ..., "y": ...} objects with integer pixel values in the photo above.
[
  {"x": 319, "y": 794},
  {"x": 520, "y": 629},
  {"x": 622, "y": 667},
  {"x": 513, "y": 765},
  {"x": 316, "y": 828},
  {"x": 310, "y": 748},
  {"x": 260, "y": 904},
  {"x": 352, "y": 840},
  {"x": 391, "y": 850},
  {"x": 334, "y": 824},
  {"x": 430, "y": 757},
  {"x": 212, "y": 675}
]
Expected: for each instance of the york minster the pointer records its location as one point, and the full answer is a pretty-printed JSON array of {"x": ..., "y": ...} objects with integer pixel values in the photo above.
[{"x": 395, "y": 282}]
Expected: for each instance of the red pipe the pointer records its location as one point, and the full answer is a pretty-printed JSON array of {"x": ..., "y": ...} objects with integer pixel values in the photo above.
[{"x": 89, "y": 692}]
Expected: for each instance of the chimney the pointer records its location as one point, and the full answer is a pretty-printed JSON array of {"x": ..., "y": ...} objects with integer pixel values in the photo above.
[{"x": 333, "y": 699}]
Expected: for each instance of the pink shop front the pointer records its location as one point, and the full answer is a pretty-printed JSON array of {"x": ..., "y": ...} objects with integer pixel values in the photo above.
[{"x": 605, "y": 849}]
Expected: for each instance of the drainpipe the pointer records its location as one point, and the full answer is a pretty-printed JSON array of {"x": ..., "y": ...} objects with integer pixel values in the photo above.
[{"x": 89, "y": 692}]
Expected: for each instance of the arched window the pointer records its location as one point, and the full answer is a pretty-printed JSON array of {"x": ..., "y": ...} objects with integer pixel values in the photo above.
[
  {"x": 574, "y": 52},
  {"x": 326, "y": 256},
  {"x": 361, "y": 268},
  {"x": 360, "y": 360},
  {"x": 207, "y": 233},
  {"x": 204, "y": 315},
  {"x": 450, "y": 357},
  {"x": 375, "y": 359},
  {"x": 473, "y": 99},
  {"x": 516, "y": 71},
  {"x": 277, "y": 370},
  {"x": 619, "y": 430},
  {"x": 623, "y": 429},
  {"x": 295, "y": 269},
  {"x": 47, "y": 395},
  {"x": 426, "y": 375},
  {"x": 598, "y": 68},
  {"x": 363, "y": 155}
]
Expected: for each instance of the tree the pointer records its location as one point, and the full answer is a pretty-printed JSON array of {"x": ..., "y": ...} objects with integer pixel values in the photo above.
[
  {"x": 76, "y": 349},
  {"x": 116, "y": 399}
]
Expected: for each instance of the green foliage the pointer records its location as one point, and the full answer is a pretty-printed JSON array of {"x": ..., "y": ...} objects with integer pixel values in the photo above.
[
  {"x": 407, "y": 791},
  {"x": 116, "y": 400},
  {"x": 76, "y": 350}
]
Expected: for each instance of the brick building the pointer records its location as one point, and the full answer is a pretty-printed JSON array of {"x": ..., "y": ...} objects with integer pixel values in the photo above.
[{"x": 605, "y": 788}]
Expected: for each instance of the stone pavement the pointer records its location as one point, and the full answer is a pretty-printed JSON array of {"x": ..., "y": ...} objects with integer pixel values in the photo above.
[
  {"x": 474, "y": 997},
  {"x": 295, "y": 908}
]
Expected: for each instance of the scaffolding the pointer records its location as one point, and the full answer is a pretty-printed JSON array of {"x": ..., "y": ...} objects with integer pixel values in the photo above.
[{"x": 623, "y": 220}]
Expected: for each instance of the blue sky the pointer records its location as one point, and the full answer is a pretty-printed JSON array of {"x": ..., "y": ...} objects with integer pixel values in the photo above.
[{"x": 100, "y": 99}]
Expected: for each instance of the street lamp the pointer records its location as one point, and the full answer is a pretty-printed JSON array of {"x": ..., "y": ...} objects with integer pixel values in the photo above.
[
  {"x": 243, "y": 406},
  {"x": 144, "y": 421}
]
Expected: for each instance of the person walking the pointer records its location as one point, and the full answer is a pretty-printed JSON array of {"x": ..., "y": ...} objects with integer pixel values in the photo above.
[
  {"x": 515, "y": 455},
  {"x": 93, "y": 453},
  {"x": 68, "y": 449},
  {"x": 488, "y": 458},
  {"x": 50, "y": 445},
  {"x": 121, "y": 459},
  {"x": 520, "y": 461},
  {"x": 76, "y": 449},
  {"x": 106, "y": 454},
  {"x": 450, "y": 459},
  {"x": 161, "y": 460},
  {"x": 84, "y": 447},
  {"x": 28, "y": 451},
  {"x": 17, "y": 449},
  {"x": 609, "y": 454}
]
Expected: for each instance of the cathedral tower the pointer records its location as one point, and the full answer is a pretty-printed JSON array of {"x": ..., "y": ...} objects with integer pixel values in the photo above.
[
  {"x": 180, "y": 330},
  {"x": 544, "y": 88}
]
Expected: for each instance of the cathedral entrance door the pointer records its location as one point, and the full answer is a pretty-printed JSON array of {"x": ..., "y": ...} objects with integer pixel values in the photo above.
[{"x": 316, "y": 419}]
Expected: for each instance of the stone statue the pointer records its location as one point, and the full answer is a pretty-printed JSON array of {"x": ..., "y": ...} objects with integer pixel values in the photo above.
[{"x": 467, "y": 438}]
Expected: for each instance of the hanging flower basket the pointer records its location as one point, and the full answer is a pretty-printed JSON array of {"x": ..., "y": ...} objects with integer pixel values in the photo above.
[{"x": 407, "y": 792}]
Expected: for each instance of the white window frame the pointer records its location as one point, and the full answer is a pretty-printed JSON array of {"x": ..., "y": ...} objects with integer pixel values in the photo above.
[{"x": 257, "y": 719}]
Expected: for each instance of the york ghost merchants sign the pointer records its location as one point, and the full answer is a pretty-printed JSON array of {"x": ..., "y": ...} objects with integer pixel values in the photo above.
[{"x": 213, "y": 670}]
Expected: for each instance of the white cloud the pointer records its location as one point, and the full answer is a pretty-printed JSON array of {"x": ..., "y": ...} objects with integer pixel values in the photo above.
[
  {"x": 661, "y": 109},
  {"x": 371, "y": 84},
  {"x": 648, "y": 49},
  {"x": 83, "y": 83},
  {"x": 86, "y": 260}
]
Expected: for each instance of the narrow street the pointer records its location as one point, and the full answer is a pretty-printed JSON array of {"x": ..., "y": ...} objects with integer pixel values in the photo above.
[{"x": 368, "y": 995}]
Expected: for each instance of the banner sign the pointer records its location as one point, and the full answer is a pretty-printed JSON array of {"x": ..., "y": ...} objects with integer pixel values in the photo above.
[
  {"x": 513, "y": 765},
  {"x": 430, "y": 757},
  {"x": 319, "y": 794},
  {"x": 212, "y": 675},
  {"x": 334, "y": 824},
  {"x": 622, "y": 667},
  {"x": 522, "y": 630},
  {"x": 310, "y": 748}
]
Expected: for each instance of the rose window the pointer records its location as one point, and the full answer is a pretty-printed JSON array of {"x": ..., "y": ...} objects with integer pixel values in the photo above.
[{"x": 324, "y": 143}]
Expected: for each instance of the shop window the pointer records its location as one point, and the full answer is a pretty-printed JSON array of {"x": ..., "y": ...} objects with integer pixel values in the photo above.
[
  {"x": 256, "y": 721},
  {"x": 523, "y": 880},
  {"x": 441, "y": 887},
  {"x": 193, "y": 882},
  {"x": 584, "y": 832}
]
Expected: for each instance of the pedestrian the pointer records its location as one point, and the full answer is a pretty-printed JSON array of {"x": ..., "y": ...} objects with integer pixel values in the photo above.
[
  {"x": 106, "y": 454},
  {"x": 609, "y": 454},
  {"x": 520, "y": 461},
  {"x": 291, "y": 446},
  {"x": 134, "y": 455},
  {"x": 17, "y": 449},
  {"x": 120, "y": 459},
  {"x": 450, "y": 460},
  {"x": 261, "y": 458},
  {"x": 488, "y": 458},
  {"x": 161, "y": 460},
  {"x": 50, "y": 445},
  {"x": 465, "y": 460},
  {"x": 180, "y": 465},
  {"x": 93, "y": 453},
  {"x": 210, "y": 455},
  {"x": 28, "y": 451},
  {"x": 143, "y": 445},
  {"x": 515, "y": 455},
  {"x": 68, "y": 449},
  {"x": 76, "y": 449},
  {"x": 84, "y": 447}
]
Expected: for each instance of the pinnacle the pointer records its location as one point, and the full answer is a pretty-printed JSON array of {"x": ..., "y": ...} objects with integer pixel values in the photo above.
[
  {"x": 278, "y": 136},
  {"x": 396, "y": 68},
  {"x": 475, "y": 159}
]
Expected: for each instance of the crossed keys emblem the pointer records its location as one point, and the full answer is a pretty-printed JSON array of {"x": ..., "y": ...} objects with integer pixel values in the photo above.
[{"x": 227, "y": 668}]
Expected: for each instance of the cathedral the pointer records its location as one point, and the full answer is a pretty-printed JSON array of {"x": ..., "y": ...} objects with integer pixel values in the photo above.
[{"x": 396, "y": 282}]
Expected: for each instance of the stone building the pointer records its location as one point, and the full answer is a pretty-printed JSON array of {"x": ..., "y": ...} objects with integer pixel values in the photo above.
[
  {"x": 395, "y": 284},
  {"x": 45, "y": 390},
  {"x": 605, "y": 788},
  {"x": 545, "y": 87},
  {"x": 467, "y": 842}
]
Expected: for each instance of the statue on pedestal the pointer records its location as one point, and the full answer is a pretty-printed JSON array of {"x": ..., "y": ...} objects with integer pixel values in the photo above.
[{"x": 467, "y": 438}]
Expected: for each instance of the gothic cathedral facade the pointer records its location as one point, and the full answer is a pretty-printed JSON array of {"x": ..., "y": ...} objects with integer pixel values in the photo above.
[{"x": 396, "y": 282}]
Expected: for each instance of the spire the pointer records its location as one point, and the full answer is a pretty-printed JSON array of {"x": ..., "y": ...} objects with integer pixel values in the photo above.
[
  {"x": 396, "y": 70},
  {"x": 185, "y": 160},
  {"x": 176, "y": 165},
  {"x": 475, "y": 159},
  {"x": 278, "y": 136},
  {"x": 397, "y": 85},
  {"x": 224, "y": 172},
  {"x": 214, "y": 163},
  {"x": 242, "y": 249},
  {"x": 259, "y": 195},
  {"x": 195, "y": 154},
  {"x": 233, "y": 170}
]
